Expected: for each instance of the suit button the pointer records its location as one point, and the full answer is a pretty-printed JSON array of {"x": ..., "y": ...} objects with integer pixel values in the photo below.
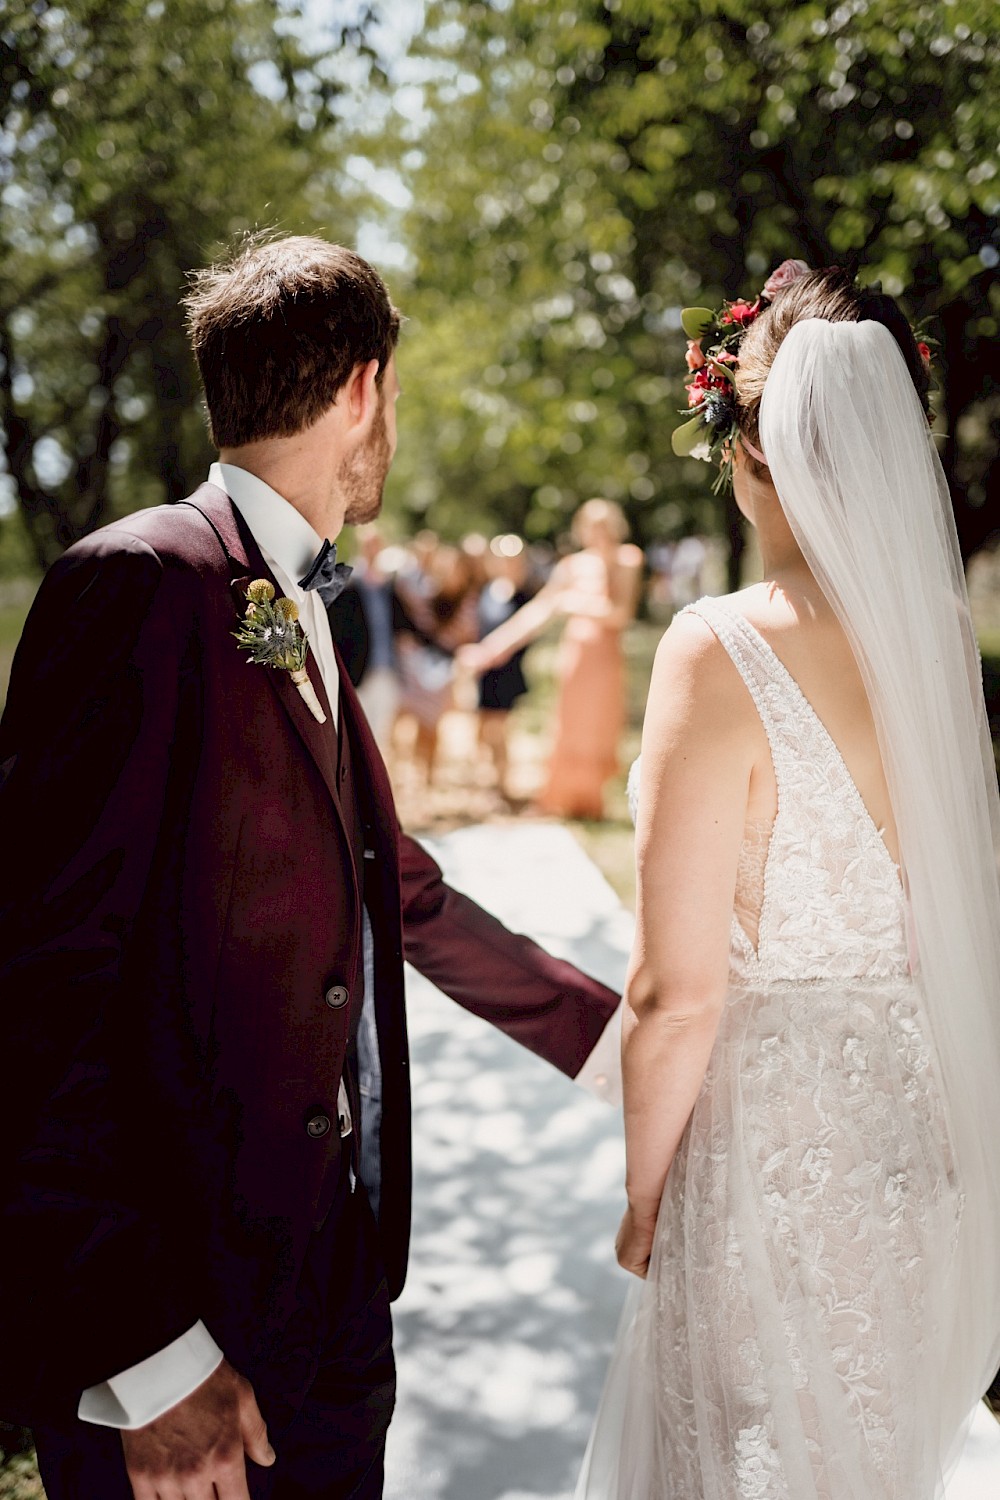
[
  {"x": 318, "y": 1126},
  {"x": 336, "y": 997}
]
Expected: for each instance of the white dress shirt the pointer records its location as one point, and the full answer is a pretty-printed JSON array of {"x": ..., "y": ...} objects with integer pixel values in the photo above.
[{"x": 289, "y": 545}]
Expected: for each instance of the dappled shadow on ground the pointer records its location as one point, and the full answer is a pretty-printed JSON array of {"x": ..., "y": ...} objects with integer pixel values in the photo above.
[{"x": 504, "y": 1329}]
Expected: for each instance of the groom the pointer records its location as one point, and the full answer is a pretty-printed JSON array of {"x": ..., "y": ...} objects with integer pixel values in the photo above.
[{"x": 205, "y": 903}]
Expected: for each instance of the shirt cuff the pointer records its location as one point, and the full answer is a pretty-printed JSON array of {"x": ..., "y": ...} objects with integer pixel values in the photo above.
[
  {"x": 601, "y": 1074},
  {"x": 146, "y": 1390}
]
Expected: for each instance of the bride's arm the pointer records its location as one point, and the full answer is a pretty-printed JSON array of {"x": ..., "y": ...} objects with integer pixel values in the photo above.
[{"x": 698, "y": 750}]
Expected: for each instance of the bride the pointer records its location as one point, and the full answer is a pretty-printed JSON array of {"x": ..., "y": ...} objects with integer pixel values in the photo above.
[{"x": 811, "y": 1043}]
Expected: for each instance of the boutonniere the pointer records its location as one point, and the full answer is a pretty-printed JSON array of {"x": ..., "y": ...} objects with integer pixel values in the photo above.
[{"x": 271, "y": 632}]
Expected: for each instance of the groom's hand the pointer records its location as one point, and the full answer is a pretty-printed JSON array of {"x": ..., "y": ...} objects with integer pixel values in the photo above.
[{"x": 195, "y": 1451}]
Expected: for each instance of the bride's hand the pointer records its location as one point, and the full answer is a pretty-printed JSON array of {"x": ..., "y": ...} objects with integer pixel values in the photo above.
[{"x": 635, "y": 1241}]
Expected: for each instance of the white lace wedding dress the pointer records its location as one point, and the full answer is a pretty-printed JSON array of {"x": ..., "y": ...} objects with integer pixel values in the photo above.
[{"x": 773, "y": 1352}]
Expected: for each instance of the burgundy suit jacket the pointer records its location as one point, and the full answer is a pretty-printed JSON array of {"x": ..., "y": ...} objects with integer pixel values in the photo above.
[{"x": 177, "y": 896}]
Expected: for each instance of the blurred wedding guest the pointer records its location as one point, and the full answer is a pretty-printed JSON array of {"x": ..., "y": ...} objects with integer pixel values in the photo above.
[
  {"x": 476, "y": 549},
  {"x": 500, "y": 687},
  {"x": 596, "y": 589},
  {"x": 428, "y": 664},
  {"x": 367, "y": 621},
  {"x": 416, "y": 576},
  {"x": 690, "y": 556}
]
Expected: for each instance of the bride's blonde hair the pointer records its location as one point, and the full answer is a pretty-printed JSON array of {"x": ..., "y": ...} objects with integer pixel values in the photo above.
[{"x": 828, "y": 293}]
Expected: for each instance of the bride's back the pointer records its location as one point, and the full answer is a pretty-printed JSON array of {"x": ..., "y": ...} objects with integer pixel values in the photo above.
[{"x": 810, "y": 642}]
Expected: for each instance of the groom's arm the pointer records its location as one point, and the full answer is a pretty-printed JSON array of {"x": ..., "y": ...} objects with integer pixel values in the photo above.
[
  {"x": 545, "y": 1003},
  {"x": 93, "y": 1286}
]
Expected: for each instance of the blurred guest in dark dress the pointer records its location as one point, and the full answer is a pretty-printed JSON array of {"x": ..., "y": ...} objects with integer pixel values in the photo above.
[{"x": 500, "y": 687}]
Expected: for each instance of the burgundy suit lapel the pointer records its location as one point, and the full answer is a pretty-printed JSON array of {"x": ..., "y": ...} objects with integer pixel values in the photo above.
[{"x": 247, "y": 563}]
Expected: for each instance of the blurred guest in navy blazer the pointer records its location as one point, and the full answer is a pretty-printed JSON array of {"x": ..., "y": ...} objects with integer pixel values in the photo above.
[{"x": 367, "y": 620}]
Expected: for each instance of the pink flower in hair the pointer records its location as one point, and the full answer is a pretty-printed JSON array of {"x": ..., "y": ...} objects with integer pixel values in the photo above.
[
  {"x": 788, "y": 272},
  {"x": 694, "y": 357}
]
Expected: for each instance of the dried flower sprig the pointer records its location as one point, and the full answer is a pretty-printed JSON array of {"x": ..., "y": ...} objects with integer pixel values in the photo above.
[{"x": 271, "y": 633}]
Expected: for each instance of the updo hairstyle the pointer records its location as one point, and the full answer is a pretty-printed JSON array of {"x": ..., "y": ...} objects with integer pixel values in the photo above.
[{"x": 829, "y": 293}]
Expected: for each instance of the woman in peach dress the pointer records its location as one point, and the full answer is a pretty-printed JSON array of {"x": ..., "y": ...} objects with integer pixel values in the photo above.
[{"x": 596, "y": 589}]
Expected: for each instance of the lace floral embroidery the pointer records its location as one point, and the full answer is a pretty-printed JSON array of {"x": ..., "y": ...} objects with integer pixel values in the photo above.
[{"x": 812, "y": 1203}]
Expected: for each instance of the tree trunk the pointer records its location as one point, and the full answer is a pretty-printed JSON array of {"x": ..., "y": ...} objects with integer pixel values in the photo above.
[{"x": 735, "y": 530}]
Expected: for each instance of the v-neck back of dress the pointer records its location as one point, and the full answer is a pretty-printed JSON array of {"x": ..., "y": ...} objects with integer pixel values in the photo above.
[{"x": 818, "y": 896}]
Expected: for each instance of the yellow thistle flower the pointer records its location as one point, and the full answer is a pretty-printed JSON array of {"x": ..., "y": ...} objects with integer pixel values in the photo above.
[
  {"x": 288, "y": 608},
  {"x": 261, "y": 591}
]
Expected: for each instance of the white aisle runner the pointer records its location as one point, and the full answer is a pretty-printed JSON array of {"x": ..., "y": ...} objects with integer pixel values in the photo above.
[{"x": 504, "y": 1330}]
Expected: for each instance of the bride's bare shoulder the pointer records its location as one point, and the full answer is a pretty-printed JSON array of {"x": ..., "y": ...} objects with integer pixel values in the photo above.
[
  {"x": 694, "y": 676},
  {"x": 756, "y": 602},
  {"x": 770, "y": 613}
]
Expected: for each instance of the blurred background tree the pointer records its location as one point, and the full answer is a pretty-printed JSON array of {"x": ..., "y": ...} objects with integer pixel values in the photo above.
[
  {"x": 582, "y": 170},
  {"x": 559, "y": 177},
  {"x": 135, "y": 136}
]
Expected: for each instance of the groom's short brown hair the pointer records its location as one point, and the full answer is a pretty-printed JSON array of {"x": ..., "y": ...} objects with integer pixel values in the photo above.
[{"x": 277, "y": 328}]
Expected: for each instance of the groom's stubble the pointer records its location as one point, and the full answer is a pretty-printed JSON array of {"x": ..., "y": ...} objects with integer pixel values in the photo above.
[{"x": 363, "y": 473}]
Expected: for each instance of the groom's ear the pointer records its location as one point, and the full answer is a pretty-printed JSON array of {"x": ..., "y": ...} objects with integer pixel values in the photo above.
[{"x": 361, "y": 396}]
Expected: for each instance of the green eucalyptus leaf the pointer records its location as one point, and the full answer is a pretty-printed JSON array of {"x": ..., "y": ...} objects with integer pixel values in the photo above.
[
  {"x": 687, "y": 437},
  {"x": 695, "y": 320},
  {"x": 726, "y": 371}
]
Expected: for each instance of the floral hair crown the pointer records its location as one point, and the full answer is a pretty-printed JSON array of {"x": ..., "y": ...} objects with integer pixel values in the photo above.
[{"x": 714, "y": 340}]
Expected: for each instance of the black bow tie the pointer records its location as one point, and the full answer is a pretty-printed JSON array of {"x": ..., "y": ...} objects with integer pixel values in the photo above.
[{"x": 327, "y": 574}]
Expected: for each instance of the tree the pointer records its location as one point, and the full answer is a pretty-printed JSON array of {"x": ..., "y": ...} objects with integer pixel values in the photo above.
[
  {"x": 587, "y": 168},
  {"x": 138, "y": 135}
]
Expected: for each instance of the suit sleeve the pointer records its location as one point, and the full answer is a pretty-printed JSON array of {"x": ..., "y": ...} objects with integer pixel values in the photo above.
[
  {"x": 546, "y": 1004},
  {"x": 94, "y": 1283}
]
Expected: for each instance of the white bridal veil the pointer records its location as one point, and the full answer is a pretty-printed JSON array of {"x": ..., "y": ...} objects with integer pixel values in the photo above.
[{"x": 860, "y": 482}]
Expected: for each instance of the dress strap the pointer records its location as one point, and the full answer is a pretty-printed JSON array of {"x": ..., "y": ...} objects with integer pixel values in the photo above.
[{"x": 753, "y": 659}]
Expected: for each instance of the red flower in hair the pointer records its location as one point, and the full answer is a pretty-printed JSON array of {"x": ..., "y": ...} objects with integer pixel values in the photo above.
[
  {"x": 925, "y": 354},
  {"x": 741, "y": 313},
  {"x": 703, "y": 381}
]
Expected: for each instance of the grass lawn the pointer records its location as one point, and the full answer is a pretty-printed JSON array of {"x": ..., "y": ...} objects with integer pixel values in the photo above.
[
  {"x": 11, "y": 622},
  {"x": 18, "y": 1475}
]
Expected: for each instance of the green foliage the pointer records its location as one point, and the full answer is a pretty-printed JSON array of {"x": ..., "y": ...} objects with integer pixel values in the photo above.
[
  {"x": 137, "y": 136},
  {"x": 588, "y": 169},
  {"x": 19, "y": 1477},
  {"x": 580, "y": 171},
  {"x": 17, "y": 557}
]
